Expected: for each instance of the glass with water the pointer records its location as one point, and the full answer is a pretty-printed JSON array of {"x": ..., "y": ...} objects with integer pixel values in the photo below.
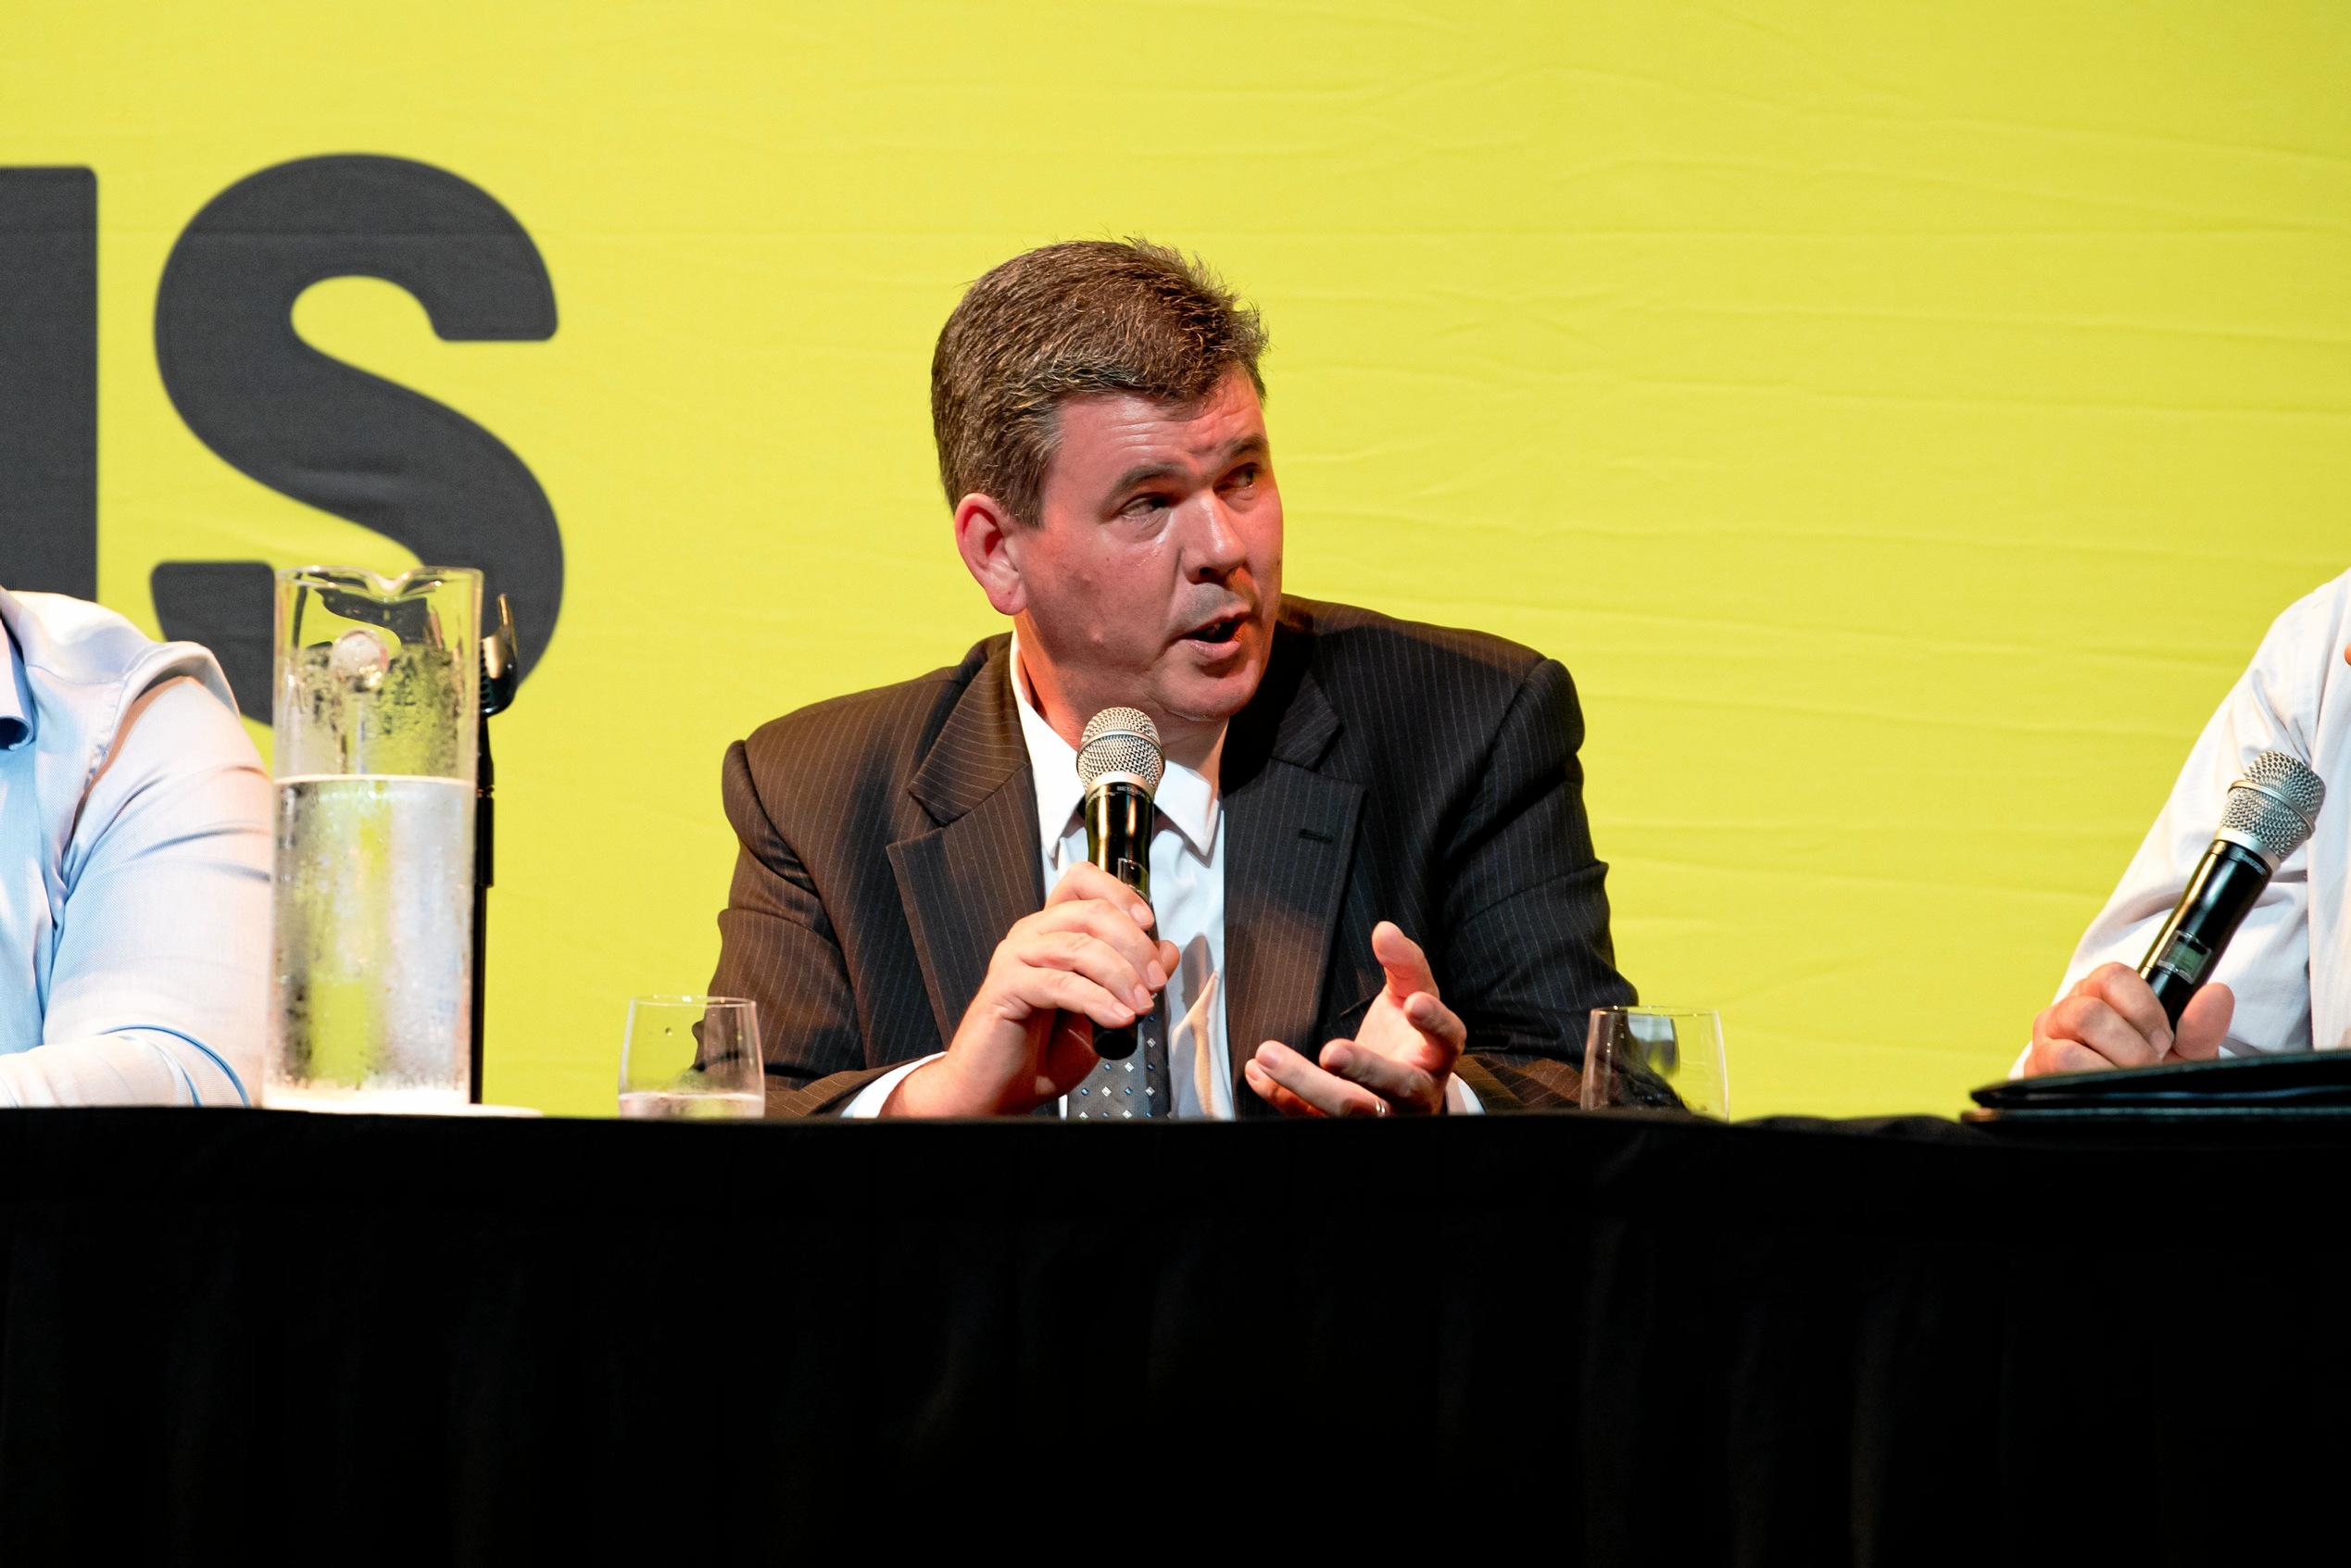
[
  {"x": 377, "y": 714},
  {"x": 692, "y": 1058},
  {"x": 1656, "y": 1059}
]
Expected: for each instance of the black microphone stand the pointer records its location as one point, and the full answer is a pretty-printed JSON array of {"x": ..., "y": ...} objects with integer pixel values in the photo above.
[{"x": 500, "y": 674}]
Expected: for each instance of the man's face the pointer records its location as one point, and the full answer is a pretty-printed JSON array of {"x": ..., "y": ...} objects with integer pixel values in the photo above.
[{"x": 1154, "y": 571}]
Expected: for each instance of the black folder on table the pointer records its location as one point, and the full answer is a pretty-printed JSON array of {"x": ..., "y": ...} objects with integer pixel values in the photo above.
[{"x": 2297, "y": 1086}]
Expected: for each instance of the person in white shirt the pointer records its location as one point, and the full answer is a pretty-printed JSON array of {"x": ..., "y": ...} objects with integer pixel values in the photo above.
[
  {"x": 134, "y": 866},
  {"x": 2284, "y": 984}
]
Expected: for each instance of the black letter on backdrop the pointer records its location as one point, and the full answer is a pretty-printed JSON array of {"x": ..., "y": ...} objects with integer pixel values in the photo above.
[
  {"x": 49, "y": 380},
  {"x": 336, "y": 437}
]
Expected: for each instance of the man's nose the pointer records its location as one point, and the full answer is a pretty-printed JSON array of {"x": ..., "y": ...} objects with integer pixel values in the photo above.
[{"x": 1214, "y": 548}]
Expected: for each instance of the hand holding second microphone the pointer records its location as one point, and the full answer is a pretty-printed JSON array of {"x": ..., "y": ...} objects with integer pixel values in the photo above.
[
  {"x": 1088, "y": 959},
  {"x": 2112, "y": 1019},
  {"x": 2167, "y": 1009}
]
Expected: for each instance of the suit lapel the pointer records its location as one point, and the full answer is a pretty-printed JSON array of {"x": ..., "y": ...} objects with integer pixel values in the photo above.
[
  {"x": 967, "y": 881},
  {"x": 1293, "y": 838}
]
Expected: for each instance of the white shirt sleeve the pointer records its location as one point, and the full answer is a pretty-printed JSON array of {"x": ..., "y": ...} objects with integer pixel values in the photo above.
[
  {"x": 2274, "y": 707},
  {"x": 867, "y": 1103},
  {"x": 160, "y": 987}
]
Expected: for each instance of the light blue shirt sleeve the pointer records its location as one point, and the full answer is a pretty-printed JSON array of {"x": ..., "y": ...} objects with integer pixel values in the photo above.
[{"x": 158, "y": 980}]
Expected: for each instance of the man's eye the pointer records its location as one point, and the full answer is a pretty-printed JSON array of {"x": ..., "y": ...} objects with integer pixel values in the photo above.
[
  {"x": 1142, "y": 505},
  {"x": 1245, "y": 475}
]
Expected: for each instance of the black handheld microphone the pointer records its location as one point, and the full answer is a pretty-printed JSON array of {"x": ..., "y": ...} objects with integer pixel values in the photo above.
[
  {"x": 2269, "y": 814},
  {"x": 1119, "y": 761}
]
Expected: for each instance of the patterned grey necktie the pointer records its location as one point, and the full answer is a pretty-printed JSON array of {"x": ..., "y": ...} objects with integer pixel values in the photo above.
[{"x": 1134, "y": 1086}]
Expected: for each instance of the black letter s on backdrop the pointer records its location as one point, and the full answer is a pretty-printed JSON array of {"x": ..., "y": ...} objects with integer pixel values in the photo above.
[
  {"x": 49, "y": 380},
  {"x": 333, "y": 436}
]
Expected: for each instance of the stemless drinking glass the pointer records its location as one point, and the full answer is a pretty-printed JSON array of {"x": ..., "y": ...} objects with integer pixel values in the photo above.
[
  {"x": 1656, "y": 1059},
  {"x": 692, "y": 1058}
]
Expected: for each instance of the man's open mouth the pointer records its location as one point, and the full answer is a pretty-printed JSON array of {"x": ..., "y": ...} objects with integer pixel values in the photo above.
[{"x": 1223, "y": 630}]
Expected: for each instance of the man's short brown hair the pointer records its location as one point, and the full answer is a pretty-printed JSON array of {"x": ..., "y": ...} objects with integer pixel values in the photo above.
[{"x": 1061, "y": 322}]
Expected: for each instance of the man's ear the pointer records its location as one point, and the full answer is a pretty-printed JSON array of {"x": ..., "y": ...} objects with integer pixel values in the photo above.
[{"x": 989, "y": 542}]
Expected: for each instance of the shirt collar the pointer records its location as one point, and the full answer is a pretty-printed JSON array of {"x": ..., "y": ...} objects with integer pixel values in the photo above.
[
  {"x": 1186, "y": 797},
  {"x": 16, "y": 707}
]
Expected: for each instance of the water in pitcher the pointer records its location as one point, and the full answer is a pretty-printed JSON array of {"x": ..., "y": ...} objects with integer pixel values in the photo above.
[{"x": 374, "y": 942}]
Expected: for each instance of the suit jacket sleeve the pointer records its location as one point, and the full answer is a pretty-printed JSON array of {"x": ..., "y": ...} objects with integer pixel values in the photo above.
[
  {"x": 1526, "y": 950},
  {"x": 777, "y": 947}
]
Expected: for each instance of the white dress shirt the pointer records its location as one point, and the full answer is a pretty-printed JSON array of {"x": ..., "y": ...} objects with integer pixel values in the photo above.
[
  {"x": 2289, "y": 962},
  {"x": 134, "y": 866},
  {"x": 1188, "y": 904}
]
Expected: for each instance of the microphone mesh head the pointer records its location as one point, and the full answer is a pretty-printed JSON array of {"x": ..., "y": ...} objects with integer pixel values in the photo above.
[
  {"x": 2274, "y": 807},
  {"x": 1120, "y": 741}
]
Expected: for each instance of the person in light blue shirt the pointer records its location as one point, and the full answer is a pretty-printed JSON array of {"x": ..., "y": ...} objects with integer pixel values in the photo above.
[{"x": 134, "y": 868}]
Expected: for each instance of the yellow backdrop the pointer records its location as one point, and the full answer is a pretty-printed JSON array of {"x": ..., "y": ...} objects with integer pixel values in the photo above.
[{"x": 1902, "y": 419}]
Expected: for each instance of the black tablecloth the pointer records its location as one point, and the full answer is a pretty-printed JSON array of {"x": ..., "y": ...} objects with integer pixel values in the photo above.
[{"x": 346, "y": 1338}]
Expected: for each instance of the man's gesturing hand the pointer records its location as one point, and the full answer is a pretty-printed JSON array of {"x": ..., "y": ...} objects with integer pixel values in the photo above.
[
  {"x": 1085, "y": 958},
  {"x": 1397, "y": 1061},
  {"x": 2111, "y": 1019}
]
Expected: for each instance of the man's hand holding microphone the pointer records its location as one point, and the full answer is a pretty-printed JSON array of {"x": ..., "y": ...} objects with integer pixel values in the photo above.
[
  {"x": 2112, "y": 1019},
  {"x": 1088, "y": 959},
  {"x": 2166, "y": 1009}
]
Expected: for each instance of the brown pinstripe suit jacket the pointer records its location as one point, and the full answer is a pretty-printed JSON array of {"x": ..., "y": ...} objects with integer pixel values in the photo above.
[{"x": 1385, "y": 770}]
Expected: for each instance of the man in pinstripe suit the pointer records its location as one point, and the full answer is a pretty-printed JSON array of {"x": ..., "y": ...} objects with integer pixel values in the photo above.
[{"x": 1354, "y": 807}]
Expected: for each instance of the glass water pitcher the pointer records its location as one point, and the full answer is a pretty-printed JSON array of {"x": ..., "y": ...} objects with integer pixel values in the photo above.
[{"x": 377, "y": 718}]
